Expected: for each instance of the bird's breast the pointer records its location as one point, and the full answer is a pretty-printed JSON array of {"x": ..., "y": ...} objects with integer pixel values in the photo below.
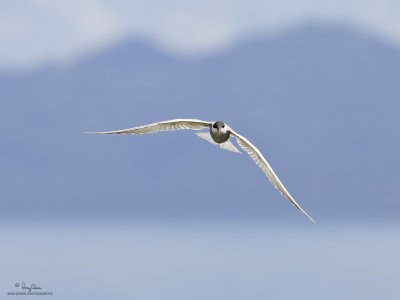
[{"x": 219, "y": 137}]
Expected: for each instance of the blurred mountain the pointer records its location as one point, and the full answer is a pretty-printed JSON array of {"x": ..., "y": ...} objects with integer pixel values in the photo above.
[{"x": 321, "y": 103}]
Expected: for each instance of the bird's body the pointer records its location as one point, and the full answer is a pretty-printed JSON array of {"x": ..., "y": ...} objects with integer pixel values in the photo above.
[{"x": 219, "y": 134}]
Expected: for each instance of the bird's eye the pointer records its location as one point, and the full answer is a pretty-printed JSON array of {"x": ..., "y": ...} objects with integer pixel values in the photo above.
[{"x": 223, "y": 126}]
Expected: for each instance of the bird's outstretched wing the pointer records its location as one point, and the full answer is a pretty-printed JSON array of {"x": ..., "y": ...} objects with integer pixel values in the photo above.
[
  {"x": 171, "y": 125},
  {"x": 260, "y": 161}
]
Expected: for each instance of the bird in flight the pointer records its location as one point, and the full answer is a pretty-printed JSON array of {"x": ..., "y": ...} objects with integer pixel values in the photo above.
[{"x": 219, "y": 135}]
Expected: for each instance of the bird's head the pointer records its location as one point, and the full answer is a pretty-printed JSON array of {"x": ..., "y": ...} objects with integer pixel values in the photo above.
[{"x": 218, "y": 127}]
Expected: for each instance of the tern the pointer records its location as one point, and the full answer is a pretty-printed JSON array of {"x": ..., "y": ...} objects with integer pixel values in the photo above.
[{"x": 219, "y": 134}]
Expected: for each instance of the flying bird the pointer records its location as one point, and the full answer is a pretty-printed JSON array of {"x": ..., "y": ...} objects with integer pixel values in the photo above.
[{"x": 219, "y": 134}]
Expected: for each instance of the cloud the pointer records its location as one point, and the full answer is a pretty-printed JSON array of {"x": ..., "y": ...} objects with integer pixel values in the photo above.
[
  {"x": 381, "y": 17},
  {"x": 195, "y": 33},
  {"x": 43, "y": 30},
  {"x": 35, "y": 31}
]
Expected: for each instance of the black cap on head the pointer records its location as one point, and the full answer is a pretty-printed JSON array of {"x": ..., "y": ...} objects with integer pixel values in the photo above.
[{"x": 219, "y": 124}]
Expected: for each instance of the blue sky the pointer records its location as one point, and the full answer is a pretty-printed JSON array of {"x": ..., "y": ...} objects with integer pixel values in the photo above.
[{"x": 41, "y": 31}]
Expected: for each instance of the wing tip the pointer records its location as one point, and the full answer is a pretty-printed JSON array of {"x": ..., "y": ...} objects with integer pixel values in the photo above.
[
  {"x": 102, "y": 132},
  {"x": 94, "y": 132},
  {"x": 300, "y": 209},
  {"x": 311, "y": 219}
]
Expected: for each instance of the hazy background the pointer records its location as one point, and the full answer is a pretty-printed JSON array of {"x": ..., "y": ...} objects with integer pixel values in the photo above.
[{"x": 314, "y": 85}]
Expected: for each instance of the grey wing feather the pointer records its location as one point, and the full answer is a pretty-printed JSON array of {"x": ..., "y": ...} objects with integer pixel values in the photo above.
[
  {"x": 171, "y": 125},
  {"x": 260, "y": 161}
]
